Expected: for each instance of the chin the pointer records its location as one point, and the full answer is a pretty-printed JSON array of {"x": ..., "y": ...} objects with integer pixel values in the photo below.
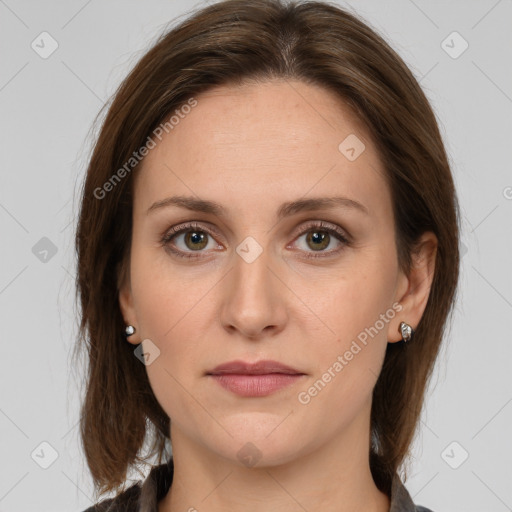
[{"x": 255, "y": 441}]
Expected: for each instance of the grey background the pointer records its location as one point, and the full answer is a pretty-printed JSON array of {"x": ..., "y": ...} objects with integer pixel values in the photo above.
[{"x": 48, "y": 106}]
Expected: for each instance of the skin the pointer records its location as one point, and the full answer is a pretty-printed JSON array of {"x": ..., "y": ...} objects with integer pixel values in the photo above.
[{"x": 252, "y": 148}]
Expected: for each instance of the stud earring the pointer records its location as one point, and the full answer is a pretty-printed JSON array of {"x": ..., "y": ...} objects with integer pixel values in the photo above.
[
  {"x": 406, "y": 331},
  {"x": 129, "y": 330}
]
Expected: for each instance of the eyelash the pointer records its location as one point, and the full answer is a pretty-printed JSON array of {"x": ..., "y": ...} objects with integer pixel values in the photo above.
[{"x": 314, "y": 225}]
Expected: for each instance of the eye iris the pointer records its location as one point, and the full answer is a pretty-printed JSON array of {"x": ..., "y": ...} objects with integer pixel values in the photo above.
[
  {"x": 318, "y": 237},
  {"x": 196, "y": 237}
]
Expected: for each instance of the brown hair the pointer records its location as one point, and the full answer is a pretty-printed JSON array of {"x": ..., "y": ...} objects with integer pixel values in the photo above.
[{"x": 231, "y": 42}]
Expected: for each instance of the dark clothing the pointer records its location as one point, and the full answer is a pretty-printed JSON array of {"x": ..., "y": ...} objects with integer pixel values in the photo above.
[{"x": 144, "y": 497}]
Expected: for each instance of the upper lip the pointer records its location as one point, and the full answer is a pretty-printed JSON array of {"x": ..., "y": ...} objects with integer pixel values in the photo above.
[{"x": 257, "y": 368}]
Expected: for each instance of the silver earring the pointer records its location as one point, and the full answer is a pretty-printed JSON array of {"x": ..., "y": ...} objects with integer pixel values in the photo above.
[
  {"x": 406, "y": 331},
  {"x": 129, "y": 330}
]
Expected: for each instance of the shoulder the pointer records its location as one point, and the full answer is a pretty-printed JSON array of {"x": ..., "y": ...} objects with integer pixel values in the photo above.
[
  {"x": 127, "y": 501},
  {"x": 401, "y": 500},
  {"x": 141, "y": 495}
]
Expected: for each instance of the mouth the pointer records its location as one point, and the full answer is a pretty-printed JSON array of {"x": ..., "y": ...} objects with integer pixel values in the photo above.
[
  {"x": 264, "y": 367},
  {"x": 255, "y": 379}
]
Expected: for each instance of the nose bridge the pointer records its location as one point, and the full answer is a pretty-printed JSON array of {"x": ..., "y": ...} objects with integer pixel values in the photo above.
[{"x": 253, "y": 301}]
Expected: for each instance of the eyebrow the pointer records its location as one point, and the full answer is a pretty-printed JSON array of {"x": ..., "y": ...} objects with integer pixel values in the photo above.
[{"x": 285, "y": 210}]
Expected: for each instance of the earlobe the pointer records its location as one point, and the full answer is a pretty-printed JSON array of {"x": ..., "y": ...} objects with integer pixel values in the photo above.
[{"x": 414, "y": 290}]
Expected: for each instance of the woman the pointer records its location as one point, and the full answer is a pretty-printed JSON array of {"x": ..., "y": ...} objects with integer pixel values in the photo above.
[{"x": 268, "y": 256}]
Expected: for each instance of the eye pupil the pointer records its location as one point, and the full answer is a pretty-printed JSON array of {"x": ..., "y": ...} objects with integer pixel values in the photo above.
[
  {"x": 196, "y": 237},
  {"x": 319, "y": 237}
]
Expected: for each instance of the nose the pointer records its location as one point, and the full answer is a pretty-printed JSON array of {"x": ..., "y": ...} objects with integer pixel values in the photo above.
[{"x": 254, "y": 299}]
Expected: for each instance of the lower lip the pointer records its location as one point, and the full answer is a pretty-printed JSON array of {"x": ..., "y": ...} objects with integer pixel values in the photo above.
[{"x": 256, "y": 385}]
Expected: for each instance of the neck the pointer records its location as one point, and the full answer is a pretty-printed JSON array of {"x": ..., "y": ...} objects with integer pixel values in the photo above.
[{"x": 334, "y": 477}]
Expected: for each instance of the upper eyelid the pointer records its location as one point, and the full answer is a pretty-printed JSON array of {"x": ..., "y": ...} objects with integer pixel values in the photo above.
[
  {"x": 328, "y": 226},
  {"x": 184, "y": 226}
]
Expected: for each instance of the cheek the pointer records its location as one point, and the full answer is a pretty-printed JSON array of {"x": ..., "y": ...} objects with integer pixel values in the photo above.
[
  {"x": 165, "y": 298},
  {"x": 348, "y": 364},
  {"x": 171, "y": 308},
  {"x": 167, "y": 308},
  {"x": 357, "y": 309},
  {"x": 352, "y": 302}
]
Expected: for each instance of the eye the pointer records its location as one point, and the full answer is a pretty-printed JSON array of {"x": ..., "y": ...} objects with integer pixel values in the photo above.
[
  {"x": 192, "y": 240},
  {"x": 186, "y": 239},
  {"x": 318, "y": 236}
]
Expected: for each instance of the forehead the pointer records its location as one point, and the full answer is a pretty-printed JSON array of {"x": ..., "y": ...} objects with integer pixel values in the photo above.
[{"x": 275, "y": 138}]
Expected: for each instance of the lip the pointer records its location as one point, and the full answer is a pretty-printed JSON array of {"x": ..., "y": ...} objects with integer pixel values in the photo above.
[
  {"x": 263, "y": 367},
  {"x": 255, "y": 379}
]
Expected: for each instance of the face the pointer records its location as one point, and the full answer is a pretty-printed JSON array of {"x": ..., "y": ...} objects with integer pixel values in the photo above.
[{"x": 268, "y": 274}]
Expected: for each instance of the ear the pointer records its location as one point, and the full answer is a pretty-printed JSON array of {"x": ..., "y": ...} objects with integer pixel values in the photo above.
[
  {"x": 126, "y": 301},
  {"x": 412, "y": 291}
]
